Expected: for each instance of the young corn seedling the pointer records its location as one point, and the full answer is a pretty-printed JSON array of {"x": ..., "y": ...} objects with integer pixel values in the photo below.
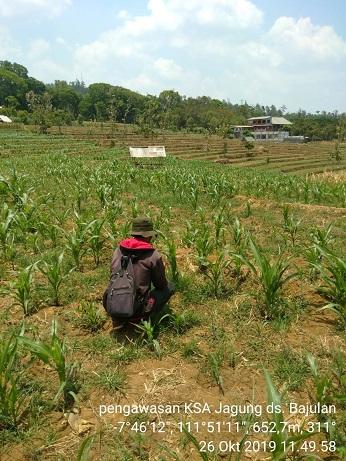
[
  {"x": 51, "y": 231},
  {"x": 23, "y": 289},
  {"x": 134, "y": 209},
  {"x": 77, "y": 239},
  {"x": 215, "y": 272},
  {"x": 75, "y": 244},
  {"x": 333, "y": 274},
  {"x": 124, "y": 229},
  {"x": 53, "y": 270},
  {"x": 149, "y": 334},
  {"x": 291, "y": 225},
  {"x": 282, "y": 442},
  {"x": 6, "y": 221},
  {"x": 314, "y": 258},
  {"x": 84, "y": 450},
  {"x": 103, "y": 192},
  {"x": 171, "y": 254},
  {"x": 53, "y": 353},
  {"x": 219, "y": 222},
  {"x": 190, "y": 235},
  {"x": 214, "y": 363},
  {"x": 194, "y": 196},
  {"x": 96, "y": 240},
  {"x": 204, "y": 247},
  {"x": 13, "y": 402},
  {"x": 323, "y": 383},
  {"x": 239, "y": 241},
  {"x": 272, "y": 277},
  {"x": 248, "y": 210},
  {"x": 322, "y": 237}
]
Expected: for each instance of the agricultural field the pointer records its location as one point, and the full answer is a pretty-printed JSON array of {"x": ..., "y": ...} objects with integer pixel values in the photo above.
[
  {"x": 258, "y": 319},
  {"x": 301, "y": 159}
]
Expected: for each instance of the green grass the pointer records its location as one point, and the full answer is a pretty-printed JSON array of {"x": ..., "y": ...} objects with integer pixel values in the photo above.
[{"x": 290, "y": 369}]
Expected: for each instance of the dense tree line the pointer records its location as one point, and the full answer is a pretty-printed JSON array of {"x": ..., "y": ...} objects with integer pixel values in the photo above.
[{"x": 28, "y": 100}]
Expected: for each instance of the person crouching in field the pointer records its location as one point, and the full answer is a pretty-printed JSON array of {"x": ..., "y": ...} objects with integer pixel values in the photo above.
[{"x": 136, "y": 266}]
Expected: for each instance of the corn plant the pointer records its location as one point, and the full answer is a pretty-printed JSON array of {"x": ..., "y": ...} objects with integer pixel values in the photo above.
[
  {"x": 50, "y": 230},
  {"x": 333, "y": 274},
  {"x": 84, "y": 450},
  {"x": 239, "y": 241},
  {"x": 323, "y": 383},
  {"x": 13, "y": 402},
  {"x": 194, "y": 196},
  {"x": 53, "y": 270},
  {"x": 219, "y": 223},
  {"x": 248, "y": 210},
  {"x": 272, "y": 277},
  {"x": 77, "y": 239},
  {"x": 190, "y": 235},
  {"x": 314, "y": 257},
  {"x": 96, "y": 240},
  {"x": 282, "y": 438},
  {"x": 214, "y": 363},
  {"x": 6, "y": 221},
  {"x": 124, "y": 229},
  {"x": 81, "y": 193},
  {"x": 215, "y": 273},
  {"x": 204, "y": 246},
  {"x": 114, "y": 211},
  {"x": 322, "y": 236},
  {"x": 103, "y": 193},
  {"x": 23, "y": 289},
  {"x": 61, "y": 216},
  {"x": 291, "y": 224},
  {"x": 53, "y": 353},
  {"x": 134, "y": 209},
  {"x": 171, "y": 254},
  {"x": 149, "y": 334}
]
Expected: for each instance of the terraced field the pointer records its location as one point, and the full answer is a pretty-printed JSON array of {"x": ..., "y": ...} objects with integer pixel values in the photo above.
[
  {"x": 313, "y": 157},
  {"x": 257, "y": 259}
]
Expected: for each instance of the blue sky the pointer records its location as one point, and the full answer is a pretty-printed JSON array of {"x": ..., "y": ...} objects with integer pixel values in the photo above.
[{"x": 287, "y": 52}]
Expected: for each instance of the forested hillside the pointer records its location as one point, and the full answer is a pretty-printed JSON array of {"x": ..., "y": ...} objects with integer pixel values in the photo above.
[{"x": 28, "y": 100}]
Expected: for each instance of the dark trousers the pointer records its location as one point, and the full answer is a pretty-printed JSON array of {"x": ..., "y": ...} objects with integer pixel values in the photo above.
[{"x": 162, "y": 296}]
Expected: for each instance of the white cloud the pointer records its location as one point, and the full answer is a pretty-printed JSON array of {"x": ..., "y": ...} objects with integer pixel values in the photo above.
[
  {"x": 167, "y": 68},
  {"x": 303, "y": 37},
  {"x": 9, "y": 8},
  {"x": 9, "y": 50},
  {"x": 38, "y": 48},
  {"x": 123, "y": 14},
  {"x": 177, "y": 24}
]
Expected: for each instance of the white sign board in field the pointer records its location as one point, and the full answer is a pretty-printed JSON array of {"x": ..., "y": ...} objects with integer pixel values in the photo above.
[{"x": 148, "y": 152}]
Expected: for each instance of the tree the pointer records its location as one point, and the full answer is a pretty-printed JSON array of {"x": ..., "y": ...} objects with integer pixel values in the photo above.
[
  {"x": 12, "y": 85},
  {"x": 64, "y": 98},
  {"x": 41, "y": 108}
]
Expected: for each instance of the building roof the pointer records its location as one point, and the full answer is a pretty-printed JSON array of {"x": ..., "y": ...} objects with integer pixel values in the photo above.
[
  {"x": 4, "y": 118},
  {"x": 280, "y": 121},
  {"x": 260, "y": 118},
  {"x": 274, "y": 120}
]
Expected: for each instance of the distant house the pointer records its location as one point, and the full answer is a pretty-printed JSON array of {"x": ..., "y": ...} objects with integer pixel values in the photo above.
[
  {"x": 5, "y": 119},
  {"x": 269, "y": 128}
]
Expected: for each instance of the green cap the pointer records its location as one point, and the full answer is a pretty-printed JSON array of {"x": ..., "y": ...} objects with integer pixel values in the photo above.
[{"x": 143, "y": 226}]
